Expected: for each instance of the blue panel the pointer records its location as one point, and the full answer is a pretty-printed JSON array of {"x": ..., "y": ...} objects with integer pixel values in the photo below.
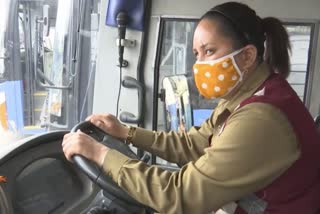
[
  {"x": 200, "y": 115},
  {"x": 33, "y": 130},
  {"x": 14, "y": 100},
  {"x": 134, "y": 10}
]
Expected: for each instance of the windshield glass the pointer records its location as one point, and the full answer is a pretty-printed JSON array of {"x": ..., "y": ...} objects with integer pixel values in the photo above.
[
  {"x": 45, "y": 65},
  {"x": 58, "y": 64},
  {"x": 4, "y": 11}
]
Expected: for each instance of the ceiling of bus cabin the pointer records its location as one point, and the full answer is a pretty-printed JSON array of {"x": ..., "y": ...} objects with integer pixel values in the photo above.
[{"x": 279, "y": 8}]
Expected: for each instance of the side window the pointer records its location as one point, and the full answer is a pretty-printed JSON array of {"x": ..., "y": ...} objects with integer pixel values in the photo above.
[
  {"x": 177, "y": 59},
  {"x": 301, "y": 38},
  {"x": 181, "y": 105}
]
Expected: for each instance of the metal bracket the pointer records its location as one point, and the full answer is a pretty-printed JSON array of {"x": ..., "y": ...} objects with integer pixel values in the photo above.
[
  {"x": 162, "y": 95},
  {"x": 126, "y": 43},
  {"x": 125, "y": 64}
]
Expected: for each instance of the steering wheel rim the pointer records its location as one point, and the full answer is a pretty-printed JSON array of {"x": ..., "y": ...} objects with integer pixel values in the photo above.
[{"x": 92, "y": 170}]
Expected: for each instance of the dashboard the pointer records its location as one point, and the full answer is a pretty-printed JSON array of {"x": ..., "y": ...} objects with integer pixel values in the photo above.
[
  {"x": 41, "y": 180},
  {"x": 45, "y": 185}
]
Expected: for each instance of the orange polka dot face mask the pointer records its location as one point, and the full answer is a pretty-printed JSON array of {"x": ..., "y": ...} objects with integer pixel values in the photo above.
[{"x": 217, "y": 78}]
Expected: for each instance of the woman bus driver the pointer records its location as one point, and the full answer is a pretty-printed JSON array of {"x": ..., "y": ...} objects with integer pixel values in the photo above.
[{"x": 258, "y": 152}]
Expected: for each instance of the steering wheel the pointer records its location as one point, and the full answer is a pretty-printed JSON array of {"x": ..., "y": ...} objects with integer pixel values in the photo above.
[{"x": 93, "y": 171}]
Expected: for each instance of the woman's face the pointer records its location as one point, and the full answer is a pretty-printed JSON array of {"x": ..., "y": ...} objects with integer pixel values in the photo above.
[{"x": 209, "y": 43}]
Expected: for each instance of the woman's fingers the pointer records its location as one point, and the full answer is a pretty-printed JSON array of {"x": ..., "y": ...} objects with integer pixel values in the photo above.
[
  {"x": 109, "y": 124},
  {"x": 98, "y": 116},
  {"x": 85, "y": 145},
  {"x": 65, "y": 137},
  {"x": 67, "y": 151},
  {"x": 98, "y": 123},
  {"x": 71, "y": 144}
]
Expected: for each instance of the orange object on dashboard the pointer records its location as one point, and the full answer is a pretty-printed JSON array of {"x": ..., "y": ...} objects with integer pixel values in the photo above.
[
  {"x": 3, "y": 179},
  {"x": 3, "y": 112}
]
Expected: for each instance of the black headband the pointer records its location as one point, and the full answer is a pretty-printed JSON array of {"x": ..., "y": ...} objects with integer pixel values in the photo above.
[{"x": 234, "y": 23}]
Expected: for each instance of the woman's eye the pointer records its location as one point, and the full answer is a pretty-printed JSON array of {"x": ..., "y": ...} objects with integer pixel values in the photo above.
[{"x": 209, "y": 52}]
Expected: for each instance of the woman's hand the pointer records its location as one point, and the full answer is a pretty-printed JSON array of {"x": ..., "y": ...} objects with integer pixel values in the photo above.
[
  {"x": 82, "y": 144},
  {"x": 110, "y": 124}
]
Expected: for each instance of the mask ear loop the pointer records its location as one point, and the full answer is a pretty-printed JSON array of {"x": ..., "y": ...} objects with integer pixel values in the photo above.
[
  {"x": 237, "y": 69},
  {"x": 236, "y": 65}
]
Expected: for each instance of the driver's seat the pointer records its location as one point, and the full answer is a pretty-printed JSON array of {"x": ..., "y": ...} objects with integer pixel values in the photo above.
[{"x": 317, "y": 121}]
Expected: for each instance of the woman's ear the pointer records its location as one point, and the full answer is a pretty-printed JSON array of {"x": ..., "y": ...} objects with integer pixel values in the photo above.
[{"x": 247, "y": 58}]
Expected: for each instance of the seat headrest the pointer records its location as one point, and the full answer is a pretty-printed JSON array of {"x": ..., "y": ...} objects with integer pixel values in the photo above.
[{"x": 317, "y": 121}]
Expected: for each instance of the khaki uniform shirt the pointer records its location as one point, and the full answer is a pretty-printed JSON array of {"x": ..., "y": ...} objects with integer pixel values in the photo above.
[{"x": 220, "y": 164}]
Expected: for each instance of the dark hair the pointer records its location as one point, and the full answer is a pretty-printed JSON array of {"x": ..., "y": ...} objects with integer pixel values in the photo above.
[{"x": 242, "y": 25}]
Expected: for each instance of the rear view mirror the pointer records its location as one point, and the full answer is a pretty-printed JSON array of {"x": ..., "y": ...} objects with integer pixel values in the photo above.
[{"x": 177, "y": 103}]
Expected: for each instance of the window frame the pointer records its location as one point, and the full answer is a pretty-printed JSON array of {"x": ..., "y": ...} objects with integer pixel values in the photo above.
[{"x": 156, "y": 95}]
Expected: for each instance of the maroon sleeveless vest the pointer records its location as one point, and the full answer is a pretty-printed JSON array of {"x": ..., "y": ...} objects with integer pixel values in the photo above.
[{"x": 297, "y": 191}]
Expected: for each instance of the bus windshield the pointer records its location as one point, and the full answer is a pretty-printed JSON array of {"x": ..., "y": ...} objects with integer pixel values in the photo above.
[
  {"x": 4, "y": 11},
  {"x": 45, "y": 64}
]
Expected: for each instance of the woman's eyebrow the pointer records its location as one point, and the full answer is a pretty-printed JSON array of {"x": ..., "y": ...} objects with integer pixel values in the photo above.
[{"x": 203, "y": 45}]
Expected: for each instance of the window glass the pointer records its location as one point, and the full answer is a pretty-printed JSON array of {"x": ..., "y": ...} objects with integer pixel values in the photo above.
[
  {"x": 300, "y": 37},
  {"x": 4, "y": 10},
  {"x": 41, "y": 43},
  {"x": 182, "y": 106}
]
